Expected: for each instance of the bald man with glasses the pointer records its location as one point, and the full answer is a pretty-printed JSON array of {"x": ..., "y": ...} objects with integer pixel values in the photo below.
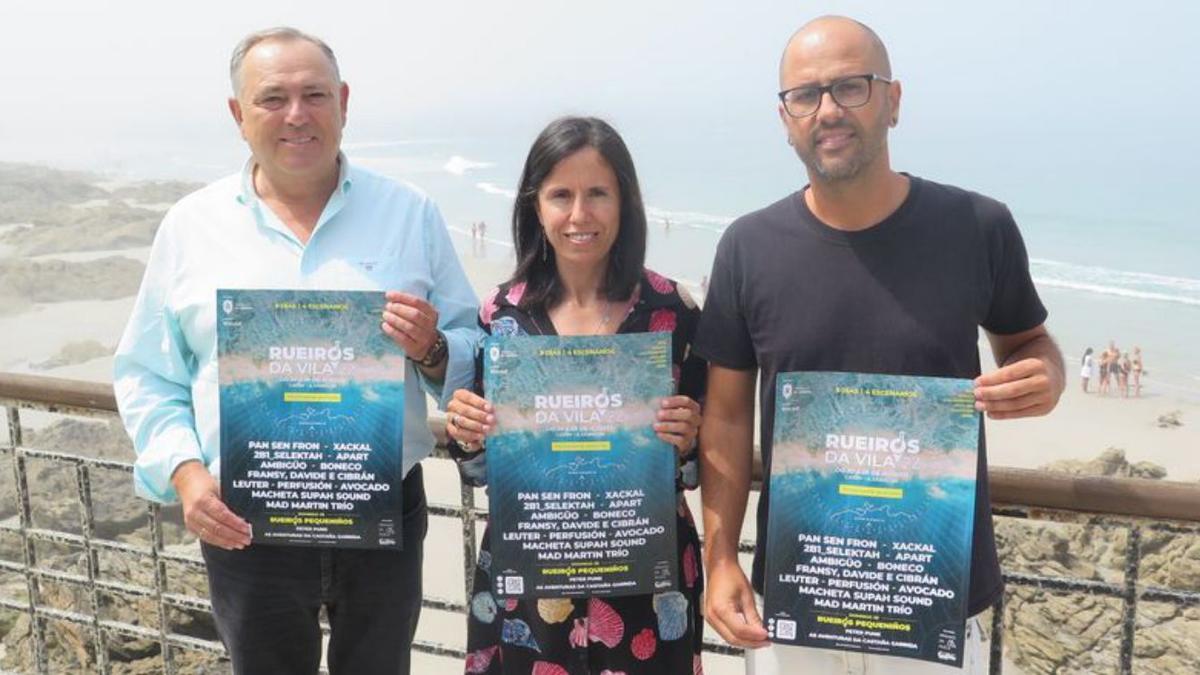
[{"x": 866, "y": 270}]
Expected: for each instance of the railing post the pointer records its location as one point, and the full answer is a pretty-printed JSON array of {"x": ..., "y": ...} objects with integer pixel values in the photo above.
[
  {"x": 469, "y": 551},
  {"x": 1133, "y": 559},
  {"x": 37, "y": 625},
  {"x": 87, "y": 522},
  {"x": 14, "y": 426},
  {"x": 160, "y": 586},
  {"x": 996, "y": 652}
]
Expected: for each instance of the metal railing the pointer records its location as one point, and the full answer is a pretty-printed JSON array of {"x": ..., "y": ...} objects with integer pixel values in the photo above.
[{"x": 1134, "y": 506}]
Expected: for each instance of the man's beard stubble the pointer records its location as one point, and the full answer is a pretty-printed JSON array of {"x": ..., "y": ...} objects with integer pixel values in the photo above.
[{"x": 843, "y": 168}]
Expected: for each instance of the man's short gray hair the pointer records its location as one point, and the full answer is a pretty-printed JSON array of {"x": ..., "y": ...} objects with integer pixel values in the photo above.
[{"x": 284, "y": 33}]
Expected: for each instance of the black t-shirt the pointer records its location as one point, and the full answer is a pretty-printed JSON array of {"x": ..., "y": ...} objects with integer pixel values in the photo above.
[{"x": 904, "y": 297}]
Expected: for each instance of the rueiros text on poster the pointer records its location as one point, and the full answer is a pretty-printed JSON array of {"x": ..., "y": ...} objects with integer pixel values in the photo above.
[
  {"x": 312, "y": 409},
  {"x": 582, "y": 490},
  {"x": 871, "y": 511}
]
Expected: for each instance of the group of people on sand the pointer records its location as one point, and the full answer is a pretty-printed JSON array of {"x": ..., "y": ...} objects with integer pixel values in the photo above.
[{"x": 1118, "y": 371}]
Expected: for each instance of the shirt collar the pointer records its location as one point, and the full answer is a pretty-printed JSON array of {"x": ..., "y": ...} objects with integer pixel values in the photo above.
[{"x": 248, "y": 197}]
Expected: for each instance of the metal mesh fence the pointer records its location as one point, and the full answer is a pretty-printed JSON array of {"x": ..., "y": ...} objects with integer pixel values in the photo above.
[{"x": 84, "y": 592}]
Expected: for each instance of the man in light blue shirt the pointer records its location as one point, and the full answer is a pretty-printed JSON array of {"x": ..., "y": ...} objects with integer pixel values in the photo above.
[{"x": 298, "y": 216}]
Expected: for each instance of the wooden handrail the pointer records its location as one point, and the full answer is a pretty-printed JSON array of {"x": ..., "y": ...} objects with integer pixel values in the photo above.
[
  {"x": 1131, "y": 497},
  {"x": 57, "y": 391},
  {"x": 1138, "y": 497}
]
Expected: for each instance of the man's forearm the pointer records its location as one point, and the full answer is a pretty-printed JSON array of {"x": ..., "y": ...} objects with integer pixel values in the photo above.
[
  {"x": 724, "y": 489},
  {"x": 726, "y": 462},
  {"x": 1041, "y": 347}
]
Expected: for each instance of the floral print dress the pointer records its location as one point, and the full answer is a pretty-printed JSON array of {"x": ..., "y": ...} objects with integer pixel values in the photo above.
[{"x": 659, "y": 633}]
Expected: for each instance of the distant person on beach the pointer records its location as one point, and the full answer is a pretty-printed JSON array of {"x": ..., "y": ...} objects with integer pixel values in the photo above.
[
  {"x": 259, "y": 229},
  {"x": 579, "y": 229},
  {"x": 1085, "y": 372},
  {"x": 1123, "y": 369},
  {"x": 863, "y": 270},
  {"x": 476, "y": 240},
  {"x": 1136, "y": 373},
  {"x": 1114, "y": 368},
  {"x": 1107, "y": 367}
]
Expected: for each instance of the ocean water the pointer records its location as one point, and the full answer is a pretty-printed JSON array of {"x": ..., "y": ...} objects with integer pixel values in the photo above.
[
  {"x": 1115, "y": 255},
  {"x": 1119, "y": 272}
]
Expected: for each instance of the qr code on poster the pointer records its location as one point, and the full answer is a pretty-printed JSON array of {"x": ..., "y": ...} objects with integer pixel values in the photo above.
[
  {"x": 514, "y": 585},
  {"x": 785, "y": 629}
]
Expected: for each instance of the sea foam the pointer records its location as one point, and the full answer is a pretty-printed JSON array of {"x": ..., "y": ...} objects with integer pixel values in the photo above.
[{"x": 1123, "y": 283}]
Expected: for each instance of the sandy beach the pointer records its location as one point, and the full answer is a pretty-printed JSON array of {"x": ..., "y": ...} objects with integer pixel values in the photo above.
[{"x": 1084, "y": 425}]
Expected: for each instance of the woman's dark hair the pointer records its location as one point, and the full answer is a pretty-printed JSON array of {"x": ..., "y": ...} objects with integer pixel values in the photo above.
[
  {"x": 536, "y": 262},
  {"x": 1083, "y": 359}
]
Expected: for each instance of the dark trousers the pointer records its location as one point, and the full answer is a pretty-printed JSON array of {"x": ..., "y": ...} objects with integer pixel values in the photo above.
[{"x": 266, "y": 600}]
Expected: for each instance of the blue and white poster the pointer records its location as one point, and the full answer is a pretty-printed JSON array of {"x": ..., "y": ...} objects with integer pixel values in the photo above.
[
  {"x": 582, "y": 492},
  {"x": 872, "y": 503},
  {"x": 312, "y": 410}
]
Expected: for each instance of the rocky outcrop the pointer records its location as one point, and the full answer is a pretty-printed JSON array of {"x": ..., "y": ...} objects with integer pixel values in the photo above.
[
  {"x": 100, "y": 227},
  {"x": 1110, "y": 463},
  {"x": 54, "y": 491},
  {"x": 73, "y": 353},
  {"x": 29, "y": 192},
  {"x": 71, "y": 646},
  {"x": 1167, "y": 636},
  {"x": 1170, "y": 420},
  {"x": 25, "y": 281},
  {"x": 156, "y": 192},
  {"x": 54, "y": 500},
  {"x": 72, "y": 211},
  {"x": 1067, "y": 632}
]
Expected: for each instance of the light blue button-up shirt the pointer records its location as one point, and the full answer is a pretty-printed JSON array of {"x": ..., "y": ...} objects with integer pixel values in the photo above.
[{"x": 374, "y": 234}]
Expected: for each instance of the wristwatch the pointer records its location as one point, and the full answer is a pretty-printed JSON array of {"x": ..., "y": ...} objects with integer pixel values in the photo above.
[{"x": 437, "y": 353}]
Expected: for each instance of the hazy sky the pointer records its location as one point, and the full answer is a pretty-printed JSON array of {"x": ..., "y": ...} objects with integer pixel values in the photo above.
[{"x": 1069, "y": 90}]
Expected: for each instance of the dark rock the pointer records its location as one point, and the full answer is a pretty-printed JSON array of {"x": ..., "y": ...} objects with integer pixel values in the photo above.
[
  {"x": 1111, "y": 462},
  {"x": 1171, "y": 420},
  {"x": 73, "y": 353}
]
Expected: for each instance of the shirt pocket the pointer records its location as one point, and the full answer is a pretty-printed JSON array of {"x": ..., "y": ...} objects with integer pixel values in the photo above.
[{"x": 356, "y": 274}]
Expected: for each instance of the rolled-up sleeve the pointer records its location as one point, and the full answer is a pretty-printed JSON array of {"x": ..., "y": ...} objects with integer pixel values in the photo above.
[
  {"x": 457, "y": 307},
  {"x": 152, "y": 378}
]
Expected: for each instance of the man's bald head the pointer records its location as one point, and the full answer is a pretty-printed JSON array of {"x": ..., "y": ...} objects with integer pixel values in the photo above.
[
  {"x": 829, "y": 62},
  {"x": 834, "y": 33}
]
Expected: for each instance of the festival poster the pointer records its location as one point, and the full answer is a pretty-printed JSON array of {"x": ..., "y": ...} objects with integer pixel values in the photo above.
[
  {"x": 582, "y": 492},
  {"x": 312, "y": 410},
  {"x": 872, "y": 503}
]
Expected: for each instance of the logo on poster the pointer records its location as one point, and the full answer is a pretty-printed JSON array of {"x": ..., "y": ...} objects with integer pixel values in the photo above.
[{"x": 227, "y": 306}]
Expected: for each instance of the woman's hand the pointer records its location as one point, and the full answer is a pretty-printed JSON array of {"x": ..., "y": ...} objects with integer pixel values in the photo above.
[
  {"x": 679, "y": 422},
  {"x": 469, "y": 419}
]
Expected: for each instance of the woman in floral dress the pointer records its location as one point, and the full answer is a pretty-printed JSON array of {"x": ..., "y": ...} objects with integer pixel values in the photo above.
[{"x": 579, "y": 228}]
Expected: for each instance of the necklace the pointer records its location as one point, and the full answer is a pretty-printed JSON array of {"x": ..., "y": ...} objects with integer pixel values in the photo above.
[
  {"x": 600, "y": 326},
  {"x": 599, "y": 329}
]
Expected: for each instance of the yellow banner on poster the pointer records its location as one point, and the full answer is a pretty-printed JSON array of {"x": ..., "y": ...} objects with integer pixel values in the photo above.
[
  {"x": 312, "y": 397},
  {"x": 581, "y": 446},
  {"x": 870, "y": 491}
]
